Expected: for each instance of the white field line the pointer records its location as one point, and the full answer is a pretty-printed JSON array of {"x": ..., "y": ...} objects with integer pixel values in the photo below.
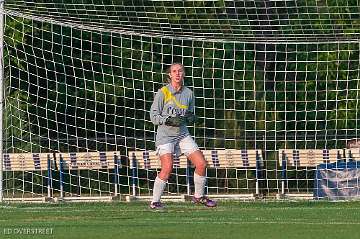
[
  {"x": 259, "y": 221},
  {"x": 287, "y": 222},
  {"x": 174, "y": 208}
]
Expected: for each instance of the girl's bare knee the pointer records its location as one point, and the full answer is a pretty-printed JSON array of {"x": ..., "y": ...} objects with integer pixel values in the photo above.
[{"x": 165, "y": 173}]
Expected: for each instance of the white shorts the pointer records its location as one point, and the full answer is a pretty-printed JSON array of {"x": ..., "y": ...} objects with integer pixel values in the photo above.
[{"x": 185, "y": 146}]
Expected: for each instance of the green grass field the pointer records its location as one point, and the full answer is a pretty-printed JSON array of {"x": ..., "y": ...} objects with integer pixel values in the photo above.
[{"x": 184, "y": 220}]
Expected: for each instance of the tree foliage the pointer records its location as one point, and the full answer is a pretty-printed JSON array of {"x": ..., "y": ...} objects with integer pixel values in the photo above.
[{"x": 70, "y": 88}]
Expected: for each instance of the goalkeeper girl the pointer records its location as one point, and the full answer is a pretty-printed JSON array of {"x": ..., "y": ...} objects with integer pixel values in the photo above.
[{"x": 172, "y": 110}]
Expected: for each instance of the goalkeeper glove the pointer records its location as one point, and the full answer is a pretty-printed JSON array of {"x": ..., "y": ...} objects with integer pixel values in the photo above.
[
  {"x": 190, "y": 118},
  {"x": 175, "y": 121}
]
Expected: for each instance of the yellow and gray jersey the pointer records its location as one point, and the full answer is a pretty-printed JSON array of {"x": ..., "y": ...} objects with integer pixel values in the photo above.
[{"x": 169, "y": 103}]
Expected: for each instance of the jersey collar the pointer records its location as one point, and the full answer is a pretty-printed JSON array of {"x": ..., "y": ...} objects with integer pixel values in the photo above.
[{"x": 172, "y": 89}]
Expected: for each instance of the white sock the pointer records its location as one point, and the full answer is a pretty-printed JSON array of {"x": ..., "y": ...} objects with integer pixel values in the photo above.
[
  {"x": 199, "y": 182},
  {"x": 158, "y": 190}
]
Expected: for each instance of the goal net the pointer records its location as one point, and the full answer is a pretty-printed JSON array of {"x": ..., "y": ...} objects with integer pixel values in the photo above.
[{"x": 80, "y": 77}]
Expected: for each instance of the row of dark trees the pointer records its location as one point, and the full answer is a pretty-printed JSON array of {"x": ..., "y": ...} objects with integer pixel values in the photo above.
[{"x": 268, "y": 75}]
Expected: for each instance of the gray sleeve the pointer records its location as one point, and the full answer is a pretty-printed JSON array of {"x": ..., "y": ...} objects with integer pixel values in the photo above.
[
  {"x": 192, "y": 103},
  {"x": 157, "y": 106}
]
